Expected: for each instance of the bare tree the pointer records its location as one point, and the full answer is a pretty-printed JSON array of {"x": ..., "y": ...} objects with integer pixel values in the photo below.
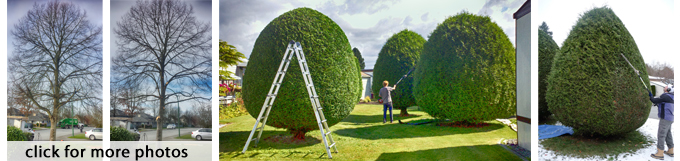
[
  {"x": 57, "y": 59},
  {"x": 661, "y": 70},
  {"x": 161, "y": 43}
]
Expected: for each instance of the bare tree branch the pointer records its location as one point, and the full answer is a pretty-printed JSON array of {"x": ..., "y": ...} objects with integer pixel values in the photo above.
[{"x": 163, "y": 45}]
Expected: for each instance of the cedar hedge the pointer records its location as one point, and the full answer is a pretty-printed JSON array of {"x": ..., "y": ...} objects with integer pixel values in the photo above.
[
  {"x": 331, "y": 62},
  {"x": 122, "y": 134},
  {"x": 396, "y": 58},
  {"x": 547, "y": 48},
  {"x": 591, "y": 87},
  {"x": 466, "y": 71}
]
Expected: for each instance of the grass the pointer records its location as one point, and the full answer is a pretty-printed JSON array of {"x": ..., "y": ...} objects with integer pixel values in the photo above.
[
  {"x": 185, "y": 136},
  {"x": 363, "y": 136},
  {"x": 580, "y": 146},
  {"x": 79, "y": 136}
]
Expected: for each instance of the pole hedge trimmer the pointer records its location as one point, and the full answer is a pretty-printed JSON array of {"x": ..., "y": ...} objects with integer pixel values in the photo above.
[
  {"x": 636, "y": 72},
  {"x": 409, "y": 72}
]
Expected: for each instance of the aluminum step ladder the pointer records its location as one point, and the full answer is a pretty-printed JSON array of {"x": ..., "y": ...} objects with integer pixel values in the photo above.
[{"x": 313, "y": 97}]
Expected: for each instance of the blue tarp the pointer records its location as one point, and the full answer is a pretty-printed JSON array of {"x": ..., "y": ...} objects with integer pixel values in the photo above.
[{"x": 549, "y": 131}]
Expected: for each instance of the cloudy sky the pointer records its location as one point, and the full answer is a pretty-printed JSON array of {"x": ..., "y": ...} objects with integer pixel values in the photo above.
[
  {"x": 202, "y": 12},
  {"x": 649, "y": 22},
  {"x": 367, "y": 24}
]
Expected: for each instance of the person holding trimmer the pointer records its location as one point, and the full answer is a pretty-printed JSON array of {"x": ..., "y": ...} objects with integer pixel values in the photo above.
[
  {"x": 387, "y": 99},
  {"x": 664, "y": 105}
]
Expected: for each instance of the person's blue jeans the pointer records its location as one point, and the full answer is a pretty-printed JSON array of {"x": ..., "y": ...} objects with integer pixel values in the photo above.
[{"x": 385, "y": 106}]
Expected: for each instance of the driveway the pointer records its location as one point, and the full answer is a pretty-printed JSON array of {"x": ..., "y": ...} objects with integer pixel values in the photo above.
[
  {"x": 168, "y": 134},
  {"x": 62, "y": 134}
]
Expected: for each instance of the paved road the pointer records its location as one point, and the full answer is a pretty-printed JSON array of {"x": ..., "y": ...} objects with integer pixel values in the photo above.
[
  {"x": 168, "y": 134},
  {"x": 62, "y": 134}
]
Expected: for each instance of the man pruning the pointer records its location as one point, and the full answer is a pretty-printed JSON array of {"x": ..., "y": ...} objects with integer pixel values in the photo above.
[
  {"x": 387, "y": 99},
  {"x": 664, "y": 105}
]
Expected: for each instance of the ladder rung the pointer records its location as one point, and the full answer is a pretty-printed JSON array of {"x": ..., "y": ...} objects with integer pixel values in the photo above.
[
  {"x": 315, "y": 96},
  {"x": 303, "y": 61},
  {"x": 322, "y": 121},
  {"x": 320, "y": 108},
  {"x": 331, "y": 145},
  {"x": 329, "y": 132},
  {"x": 272, "y": 95},
  {"x": 278, "y": 84},
  {"x": 305, "y": 73},
  {"x": 260, "y": 128},
  {"x": 253, "y": 139}
]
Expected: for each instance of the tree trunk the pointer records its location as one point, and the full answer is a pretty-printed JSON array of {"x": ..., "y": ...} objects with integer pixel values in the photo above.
[
  {"x": 404, "y": 112},
  {"x": 53, "y": 129},
  {"x": 298, "y": 134}
]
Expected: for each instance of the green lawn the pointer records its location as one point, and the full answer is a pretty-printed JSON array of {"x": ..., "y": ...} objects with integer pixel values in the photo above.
[
  {"x": 78, "y": 136},
  {"x": 185, "y": 136},
  {"x": 363, "y": 136}
]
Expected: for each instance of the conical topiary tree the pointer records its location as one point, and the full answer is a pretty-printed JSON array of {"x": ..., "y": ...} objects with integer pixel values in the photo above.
[
  {"x": 396, "y": 58},
  {"x": 547, "y": 48},
  {"x": 466, "y": 71},
  {"x": 332, "y": 65},
  {"x": 591, "y": 87}
]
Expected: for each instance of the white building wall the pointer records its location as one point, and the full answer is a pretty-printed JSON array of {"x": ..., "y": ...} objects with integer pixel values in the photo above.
[{"x": 523, "y": 71}]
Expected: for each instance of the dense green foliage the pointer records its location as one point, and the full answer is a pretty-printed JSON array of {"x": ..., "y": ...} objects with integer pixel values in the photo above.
[
  {"x": 360, "y": 59},
  {"x": 15, "y": 134},
  {"x": 121, "y": 134},
  {"x": 234, "y": 109},
  {"x": 547, "y": 48},
  {"x": 591, "y": 87},
  {"x": 466, "y": 71},
  {"x": 228, "y": 56},
  {"x": 396, "y": 58},
  {"x": 332, "y": 65}
]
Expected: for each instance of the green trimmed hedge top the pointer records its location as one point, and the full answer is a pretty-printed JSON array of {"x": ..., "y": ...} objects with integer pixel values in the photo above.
[
  {"x": 396, "y": 58},
  {"x": 466, "y": 71},
  {"x": 591, "y": 87},
  {"x": 547, "y": 48},
  {"x": 331, "y": 62}
]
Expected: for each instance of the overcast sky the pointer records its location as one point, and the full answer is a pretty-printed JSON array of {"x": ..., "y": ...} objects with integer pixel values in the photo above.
[
  {"x": 367, "y": 24},
  {"x": 202, "y": 12},
  {"x": 17, "y": 9},
  {"x": 650, "y": 23}
]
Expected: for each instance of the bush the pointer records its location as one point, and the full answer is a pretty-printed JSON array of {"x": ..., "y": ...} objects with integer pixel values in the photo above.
[
  {"x": 396, "y": 58},
  {"x": 29, "y": 136},
  {"x": 466, "y": 71},
  {"x": 591, "y": 87},
  {"x": 331, "y": 63},
  {"x": 232, "y": 110},
  {"x": 121, "y": 134},
  {"x": 367, "y": 99},
  {"x": 547, "y": 48},
  {"x": 15, "y": 134}
]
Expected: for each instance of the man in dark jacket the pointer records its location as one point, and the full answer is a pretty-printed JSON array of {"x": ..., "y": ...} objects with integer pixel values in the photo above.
[{"x": 664, "y": 105}]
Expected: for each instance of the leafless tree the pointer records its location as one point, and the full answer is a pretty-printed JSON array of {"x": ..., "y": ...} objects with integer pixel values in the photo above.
[
  {"x": 57, "y": 60},
  {"x": 661, "y": 70},
  {"x": 161, "y": 43}
]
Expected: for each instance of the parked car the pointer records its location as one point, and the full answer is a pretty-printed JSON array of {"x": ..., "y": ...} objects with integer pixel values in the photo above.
[
  {"x": 171, "y": 126},
  {"x": 202, "y": 133},
  {"x": 93, "y": 134}
]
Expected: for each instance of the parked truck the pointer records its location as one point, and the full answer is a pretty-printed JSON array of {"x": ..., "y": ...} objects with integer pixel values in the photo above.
[{"x": 67, "y": 123}]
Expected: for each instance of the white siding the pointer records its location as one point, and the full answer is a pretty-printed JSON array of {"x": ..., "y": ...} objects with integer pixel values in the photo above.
[{"x": 523, "y": 71}]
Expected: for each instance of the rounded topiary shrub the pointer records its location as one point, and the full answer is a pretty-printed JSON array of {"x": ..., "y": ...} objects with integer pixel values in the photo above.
[
  {"x": 547, "y": 48},
  {"x": 591, "y": 87},
  {"x": 396, "y": 58},
  {"x": 466, "y": 71},
  {"x": 331, "y": 63}
]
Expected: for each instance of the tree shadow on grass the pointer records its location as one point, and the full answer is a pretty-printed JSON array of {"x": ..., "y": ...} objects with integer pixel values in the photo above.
[
  {"x": 477, "y": 152},
  {"x": 234, "y": 141},
  {"x": 398, "y": 131},
  {"x": 363, "y": 119}
]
